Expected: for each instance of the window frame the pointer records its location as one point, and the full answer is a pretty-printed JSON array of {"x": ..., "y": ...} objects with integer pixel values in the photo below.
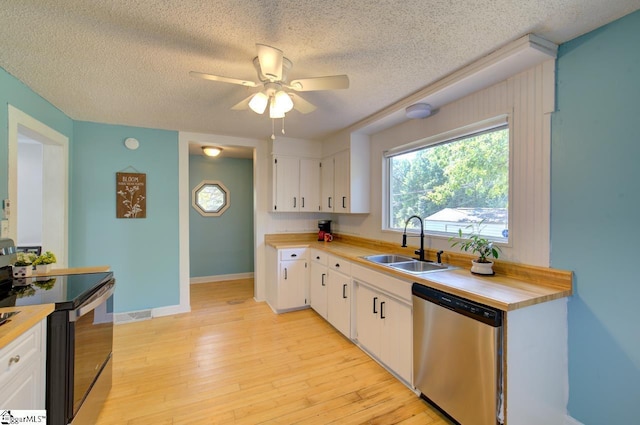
[
  {"x": 503, "y": 120},
  {"x": 200, "y": 209}
]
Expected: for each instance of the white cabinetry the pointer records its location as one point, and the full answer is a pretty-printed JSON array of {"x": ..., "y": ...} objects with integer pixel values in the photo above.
[
  {"x": 383, "y": 328},
  {"x": 339, "y": 295},
  {"x": 318, "y": 282},
  {"x": 345, "y": 179},
  {"x": 288, "y": 281},
  {"x": 22, "y": 370},
  {"x": 296, "y": 184}
]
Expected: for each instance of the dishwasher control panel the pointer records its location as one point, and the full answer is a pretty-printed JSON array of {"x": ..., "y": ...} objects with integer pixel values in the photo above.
[{"x": 477, "y": 311}]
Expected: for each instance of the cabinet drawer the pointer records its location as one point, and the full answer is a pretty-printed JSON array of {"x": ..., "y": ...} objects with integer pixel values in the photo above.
[
  {"x": 319, "y": 256},
  {"x": 339, "y": 264},
  {"x": 293, "y": 254},
  {"x": 19, "y": 353}
]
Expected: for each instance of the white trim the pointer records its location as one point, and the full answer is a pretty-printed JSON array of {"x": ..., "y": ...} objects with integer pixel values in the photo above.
[
  {"x": 170, "y": 310},
  {"x": 183, "y": 221},
  {"x": 568, "y": 420},
  {"x": 221, "y": 278},
  {"x": 19, "y": 121}
]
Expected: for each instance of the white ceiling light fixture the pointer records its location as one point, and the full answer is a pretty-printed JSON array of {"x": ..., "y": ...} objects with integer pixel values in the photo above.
[
  {"x": 418, "y": 111},
  {"x": 211, "y": 150},
  {"x": 258, "y": 102}
]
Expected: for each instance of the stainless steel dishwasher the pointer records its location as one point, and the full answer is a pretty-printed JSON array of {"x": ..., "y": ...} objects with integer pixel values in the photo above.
[{"x": 457, "y": 361}]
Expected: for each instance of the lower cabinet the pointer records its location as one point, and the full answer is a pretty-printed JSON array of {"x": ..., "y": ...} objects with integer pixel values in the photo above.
[
  {"x": 22, "y": 375},
  {"x": 318, "y": 282},
  {"x": 339, "y": 302},
  {"x": 384, "y": 329},
  {"x": 288, "y": 281}
]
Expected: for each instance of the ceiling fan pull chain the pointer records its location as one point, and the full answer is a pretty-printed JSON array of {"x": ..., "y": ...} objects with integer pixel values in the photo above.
[
  {"x": 282, "y": 125},
  {"x": 273, "y": 126}
]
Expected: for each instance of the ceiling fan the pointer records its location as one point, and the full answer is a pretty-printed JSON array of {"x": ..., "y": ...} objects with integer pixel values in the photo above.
[{"x": 277, "y": 92}]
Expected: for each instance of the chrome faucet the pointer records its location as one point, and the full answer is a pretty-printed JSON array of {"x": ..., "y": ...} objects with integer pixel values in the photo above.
[{"x": 420, "y": 252}]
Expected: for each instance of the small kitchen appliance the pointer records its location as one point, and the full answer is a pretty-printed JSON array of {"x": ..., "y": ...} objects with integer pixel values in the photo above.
[{"x": 324, "y": 226}]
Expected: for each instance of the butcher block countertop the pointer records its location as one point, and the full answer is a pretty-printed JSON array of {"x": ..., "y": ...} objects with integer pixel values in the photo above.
[
  {"x": 513, "y": 286},
  {"x": 74, "y": 270},
  {"x": 18, "y": 324}
]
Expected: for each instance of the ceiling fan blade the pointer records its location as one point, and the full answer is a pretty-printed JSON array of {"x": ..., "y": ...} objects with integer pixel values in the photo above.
[
  {"x": 334, "y": 82},
  {"x": 243, "y": 104},
  {"x": 270, "y": 60},
  {"x": 301, "y": 105},
  {"x": 223, "y": 79}
]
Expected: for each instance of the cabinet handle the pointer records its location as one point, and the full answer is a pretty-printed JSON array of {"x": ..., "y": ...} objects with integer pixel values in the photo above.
[
  {"x": 294, "y": 202},
  {"x": 285, "y": 273},
  {"x": 294, "y": 255},
  {"x": 344, "y": 291},
  {"x": 14, "y": 359},
  {"x": 337, "y": 265},
  {"x": 382, "y": 316},
  {"x": 330, "y": 202},
  {"x": 317, "y": 257},
  {"x": 323, "y": 275},
  {"x": 374, "y": 305},
  {"x": 302, "y": 206}
]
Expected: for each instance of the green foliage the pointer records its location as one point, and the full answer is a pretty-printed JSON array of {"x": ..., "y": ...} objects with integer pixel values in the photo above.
[
  {"x": 467, "y": 173},
  {"x": 24, "y": 259},
  {"x": 46, "y": 258},
  {"x": 476, "y": 244}
]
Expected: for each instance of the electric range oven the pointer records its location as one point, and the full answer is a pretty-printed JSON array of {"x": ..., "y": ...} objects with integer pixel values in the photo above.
[{"x": 79, "y": 338}]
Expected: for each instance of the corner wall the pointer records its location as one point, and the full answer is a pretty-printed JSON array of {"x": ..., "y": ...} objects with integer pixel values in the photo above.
[{"x": 595, "y": 199}]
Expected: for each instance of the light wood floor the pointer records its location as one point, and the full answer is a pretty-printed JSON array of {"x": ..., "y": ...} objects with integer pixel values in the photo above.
[{"x": 233, "y": 361}]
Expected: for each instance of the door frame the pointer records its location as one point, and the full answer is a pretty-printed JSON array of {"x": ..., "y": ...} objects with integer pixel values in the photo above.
[{"x": 55, "y": 221}]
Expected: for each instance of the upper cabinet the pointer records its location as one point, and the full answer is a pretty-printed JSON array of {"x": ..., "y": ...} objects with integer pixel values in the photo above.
[
  {"x": 345, "y": 179},
  {"x": 296, "y": 184}
]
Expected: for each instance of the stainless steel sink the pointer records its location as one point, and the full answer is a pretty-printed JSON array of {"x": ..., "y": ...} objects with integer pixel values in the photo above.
[
  {"x": 388, "y": 258},
  {"x": 418, "y": 267}
]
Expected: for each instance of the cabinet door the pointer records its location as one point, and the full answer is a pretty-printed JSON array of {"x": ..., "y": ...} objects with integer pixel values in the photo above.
[
  {"x": 396, "y": 337},
  {"x": 339, "y": 302},
  {"x": 287, "y": 183},
  {"x": 318, "y": 289},
  {"x": 23, "y": 391},
  {"x": 327, "y": 196},
  {"x": 367, "y": 319},
  {"x": 342, "y": 183},
  {"x": 292, "y": 284},
  {"x": 309, "y": 185}
]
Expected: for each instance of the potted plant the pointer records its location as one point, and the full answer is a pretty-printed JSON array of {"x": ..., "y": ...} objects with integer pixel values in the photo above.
[
  {"x": 44, "y": 261},
  {"x": 22, "y": 267},
  {"x": 481, "y": 246}
]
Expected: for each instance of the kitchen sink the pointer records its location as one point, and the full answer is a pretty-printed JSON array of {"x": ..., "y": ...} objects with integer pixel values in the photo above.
[
  {"x": 407, "y": 264},
  {"x": 418, "y": 267},
  {"x": 388, "y": 258}
]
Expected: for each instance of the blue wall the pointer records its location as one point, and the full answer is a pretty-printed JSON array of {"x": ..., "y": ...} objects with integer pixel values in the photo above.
[
  {"x": 595, "y": 194},
  {"x": 143, "y": 253},
  {"x": 14, "y": 92},
  {"x": 222, "y": 245}
]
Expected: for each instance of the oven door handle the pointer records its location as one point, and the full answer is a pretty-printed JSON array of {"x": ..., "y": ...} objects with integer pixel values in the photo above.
[{"x": 100, "y": 297}]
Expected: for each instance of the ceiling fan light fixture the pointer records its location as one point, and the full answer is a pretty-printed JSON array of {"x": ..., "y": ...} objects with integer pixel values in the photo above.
[
  {"x": 258, "y": 103},
  {"x": 283, "y": 101},
  {"x": 211, "y": 150},
  {"x": 275, "y": 110}
]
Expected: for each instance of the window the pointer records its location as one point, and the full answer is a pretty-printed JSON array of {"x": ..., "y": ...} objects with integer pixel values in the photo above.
[
  {"x": 456, "y": 183},
  {"x": 210, "y": 198}
]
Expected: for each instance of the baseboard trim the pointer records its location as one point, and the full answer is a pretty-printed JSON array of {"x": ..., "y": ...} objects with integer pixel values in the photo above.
[
  {"x": 220, "y": 278},
  {"x": 568, "y": 420}
]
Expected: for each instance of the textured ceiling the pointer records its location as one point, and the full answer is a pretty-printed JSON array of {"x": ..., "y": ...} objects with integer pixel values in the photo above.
[{"x": 128, "y": 61}]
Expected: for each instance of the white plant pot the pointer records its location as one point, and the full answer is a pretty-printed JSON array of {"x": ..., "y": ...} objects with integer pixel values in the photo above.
[
  {"x": 22, "y": 271},
  {"x": 482, "y": 268},
  {"x": 43, "y": 268}
]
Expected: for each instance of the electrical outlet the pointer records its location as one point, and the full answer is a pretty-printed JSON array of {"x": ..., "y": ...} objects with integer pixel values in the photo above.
[{"x": 4, "y": 229}]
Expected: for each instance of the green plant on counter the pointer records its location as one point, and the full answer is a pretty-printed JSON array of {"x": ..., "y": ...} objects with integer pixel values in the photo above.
[
  {"x": 477, "y": 244},
  {"x": 24, "y": 259},
  {"x": 47, "y": 258}
]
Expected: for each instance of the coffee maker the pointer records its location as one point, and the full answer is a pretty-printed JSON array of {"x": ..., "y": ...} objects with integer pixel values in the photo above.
[{"x": 324, "y": 226}]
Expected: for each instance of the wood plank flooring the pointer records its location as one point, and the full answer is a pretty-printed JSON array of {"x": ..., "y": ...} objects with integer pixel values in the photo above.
[{"x": 233, "y": 361}]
